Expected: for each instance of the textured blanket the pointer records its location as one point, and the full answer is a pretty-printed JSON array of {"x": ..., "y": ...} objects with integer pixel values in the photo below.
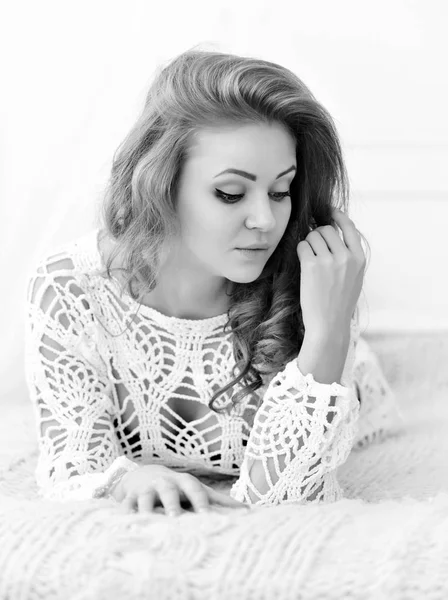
[{"x": 388, "y": 538}]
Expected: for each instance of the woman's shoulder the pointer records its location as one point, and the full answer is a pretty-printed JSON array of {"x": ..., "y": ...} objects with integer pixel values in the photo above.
[
  {"x": 62, "y": 272},
  {"x": 76, "y": 257}
]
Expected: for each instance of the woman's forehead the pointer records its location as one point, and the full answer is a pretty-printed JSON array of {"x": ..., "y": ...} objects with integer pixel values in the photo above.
[{"x": 214, "y": 148}]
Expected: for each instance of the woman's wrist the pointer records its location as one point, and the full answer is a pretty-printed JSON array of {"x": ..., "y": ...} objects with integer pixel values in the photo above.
[{"x": 323, "y": 355}]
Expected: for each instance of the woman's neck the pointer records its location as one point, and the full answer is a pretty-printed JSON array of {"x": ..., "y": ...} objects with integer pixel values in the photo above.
[{"x": 166, "y": 297}]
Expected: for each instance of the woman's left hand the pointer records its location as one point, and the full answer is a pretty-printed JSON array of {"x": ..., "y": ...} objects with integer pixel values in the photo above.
[{"x": 332, "y": 274}]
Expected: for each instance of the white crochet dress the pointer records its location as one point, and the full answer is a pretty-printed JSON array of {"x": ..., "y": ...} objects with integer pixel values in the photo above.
[{"x": 103, "y": 381}]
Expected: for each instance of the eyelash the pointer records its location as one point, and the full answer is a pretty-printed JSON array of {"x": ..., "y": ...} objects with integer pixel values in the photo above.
[{"x": 233, "y": 198}]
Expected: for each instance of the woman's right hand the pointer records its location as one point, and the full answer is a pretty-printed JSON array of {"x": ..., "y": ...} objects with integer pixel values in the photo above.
[{"x": 150, "y": 484}]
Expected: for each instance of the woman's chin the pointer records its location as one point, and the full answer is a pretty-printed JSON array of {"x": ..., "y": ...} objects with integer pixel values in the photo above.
[{"x": 247, "y": 277}]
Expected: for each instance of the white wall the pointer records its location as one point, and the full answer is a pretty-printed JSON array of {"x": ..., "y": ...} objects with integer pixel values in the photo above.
[
  {"x": 400, "y": 203},
  {"x": 74, "y": 76}
]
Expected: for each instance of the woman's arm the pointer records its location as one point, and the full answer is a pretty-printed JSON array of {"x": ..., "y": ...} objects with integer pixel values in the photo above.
[
  {"x": 304, "y": 428},
  {"x": 68, "y": 386}
]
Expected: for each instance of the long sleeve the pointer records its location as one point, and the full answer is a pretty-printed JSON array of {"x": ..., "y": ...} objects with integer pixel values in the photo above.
[
  {"x": 302, "y": 431},
  {"x": 66, "y": 378}
]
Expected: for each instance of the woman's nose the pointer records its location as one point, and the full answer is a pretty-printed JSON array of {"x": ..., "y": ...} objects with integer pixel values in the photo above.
[{"x": 260, "y": 216}]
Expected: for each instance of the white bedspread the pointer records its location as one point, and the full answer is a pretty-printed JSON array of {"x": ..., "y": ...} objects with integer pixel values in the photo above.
[{"x": 387, "y": 539}]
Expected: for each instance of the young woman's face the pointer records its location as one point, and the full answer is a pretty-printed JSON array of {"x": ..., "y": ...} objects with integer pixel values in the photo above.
[{"x": 212, "y": 225}]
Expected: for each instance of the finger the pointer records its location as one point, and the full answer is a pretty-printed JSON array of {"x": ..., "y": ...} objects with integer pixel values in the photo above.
[
  {"x": 169, "y": 497},
  {"x": 349, "y": 231},
  {"x": 146, "y": 501},
  {"x": 225, "y": 500},
  {"x": 197, "y": 494},
  {"x": 333, "y": 240},
  {"x": 317, "y": 243},
  {"x": 304, "y": 251},
  {"x": 129, "y": 503}
]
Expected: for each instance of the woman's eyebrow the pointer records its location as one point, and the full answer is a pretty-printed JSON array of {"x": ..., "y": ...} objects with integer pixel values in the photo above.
[{"x": 251, "y": 176}]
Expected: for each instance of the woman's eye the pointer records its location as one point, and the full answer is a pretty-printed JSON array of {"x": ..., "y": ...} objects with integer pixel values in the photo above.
[{"x": 232, "y": 198}]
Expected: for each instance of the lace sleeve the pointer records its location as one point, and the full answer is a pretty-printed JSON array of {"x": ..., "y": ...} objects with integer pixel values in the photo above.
[
  {"x": 302, "y": 432},
  {"x": 79, "y": 452}
]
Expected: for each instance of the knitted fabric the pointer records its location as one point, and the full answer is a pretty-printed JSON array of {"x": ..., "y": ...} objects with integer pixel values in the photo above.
[{"x": 101, "y": 391}]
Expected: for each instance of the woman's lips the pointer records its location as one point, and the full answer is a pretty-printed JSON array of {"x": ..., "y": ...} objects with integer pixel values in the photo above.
[{"x": 251, "y": 253}]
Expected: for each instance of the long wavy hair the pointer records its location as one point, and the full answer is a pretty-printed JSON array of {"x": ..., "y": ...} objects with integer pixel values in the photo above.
[{"x": 201, "y": 88}]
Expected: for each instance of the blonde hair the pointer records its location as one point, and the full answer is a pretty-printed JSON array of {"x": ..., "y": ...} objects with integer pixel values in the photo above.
[{"x": 199, "y": 89}]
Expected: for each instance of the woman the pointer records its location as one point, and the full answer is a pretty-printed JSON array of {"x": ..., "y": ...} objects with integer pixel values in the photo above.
[{"x": 163, "y": 347}]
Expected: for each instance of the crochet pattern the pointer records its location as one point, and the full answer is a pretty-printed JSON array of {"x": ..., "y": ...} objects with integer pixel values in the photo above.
[
  {"x": 101, "y": 392},
  {"x": 387, "y": 538}
]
